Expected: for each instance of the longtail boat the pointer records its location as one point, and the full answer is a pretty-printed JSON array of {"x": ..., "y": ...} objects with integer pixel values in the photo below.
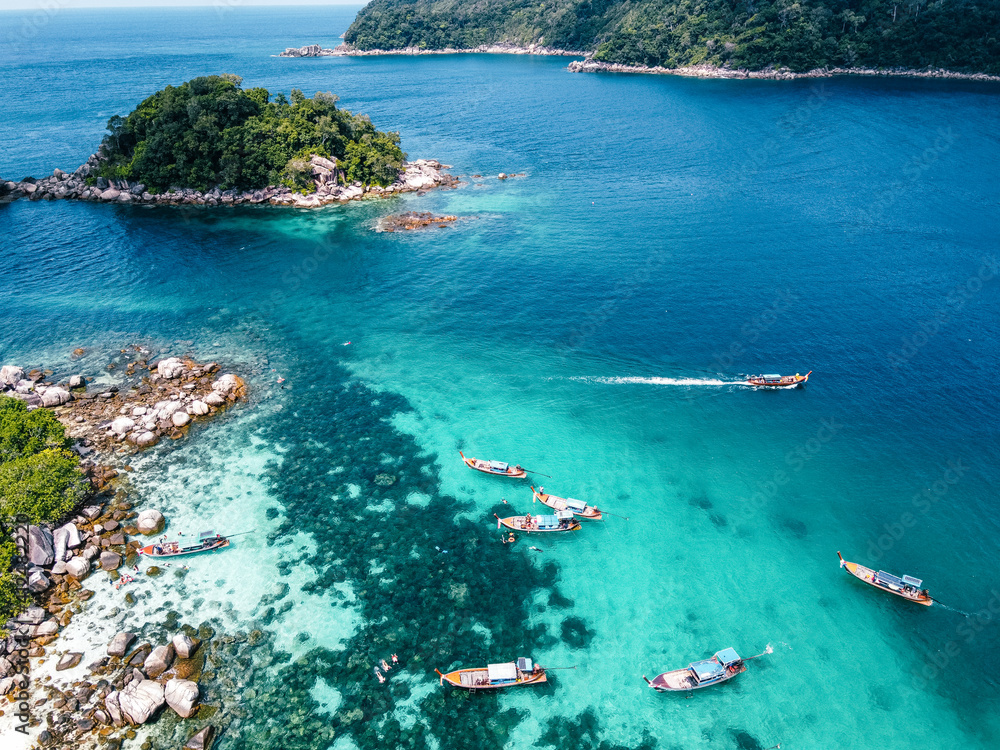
[
  {"x": 496, "y": 676},
  {"x": 207, "y": 541},
  {"x": 725, "y": 665},
  {"x": 494, "y": 467},
  {"x": 577, "y": 507},
  {"x": 778, "y": 381},
  {"x": 907, "y": 587},
  {"x": 563, "y": 520}
]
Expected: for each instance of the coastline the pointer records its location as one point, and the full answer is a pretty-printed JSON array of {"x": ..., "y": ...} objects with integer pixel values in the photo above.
[
  {"x": 774, "y": 74},
  {"x": 346, "y": 50},
  {"x": 415, "y": 176}
]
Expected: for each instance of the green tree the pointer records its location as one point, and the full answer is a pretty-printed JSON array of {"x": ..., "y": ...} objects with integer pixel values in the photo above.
[
  {"x": 42, "y": 487},
  {"x": 374, "y": 160},
  {"x": 24, "y": 433}
]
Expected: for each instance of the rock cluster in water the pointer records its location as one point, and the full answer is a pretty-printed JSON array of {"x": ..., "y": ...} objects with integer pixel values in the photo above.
[
  {"x": 422, "y": 174},
  {"x": 157, "y": 400},
  {"x": 414, "y": 220}
]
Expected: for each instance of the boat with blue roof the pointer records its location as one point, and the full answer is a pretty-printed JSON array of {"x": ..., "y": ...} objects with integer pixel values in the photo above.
[
  {"x": 560, "y": 521},
  {"x": 907, "y": 587},
  {"x": 725, "y": 665},
  {"x": 578, "y": 508},
  {"x": 498, "y": 468}
]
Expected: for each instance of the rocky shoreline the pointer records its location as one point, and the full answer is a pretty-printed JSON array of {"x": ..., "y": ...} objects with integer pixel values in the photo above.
[
  {"x": 127, "y": 685},
  {"x": 328, "y": 179},
  {"x": 774, "y": 74},
  {"x": 346, "y": 50}
]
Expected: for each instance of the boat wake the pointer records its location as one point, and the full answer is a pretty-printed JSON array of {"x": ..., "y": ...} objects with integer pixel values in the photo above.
[
  {"x": 952, "y": 609},
  {"x": 660, "y": 381}
]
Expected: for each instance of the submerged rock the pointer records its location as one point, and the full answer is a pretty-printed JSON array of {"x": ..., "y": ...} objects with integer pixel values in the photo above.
[{"x": 202, "y": 740}]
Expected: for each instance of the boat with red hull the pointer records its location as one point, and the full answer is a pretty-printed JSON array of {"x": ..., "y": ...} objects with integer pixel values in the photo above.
[
  {"x": 208, "y": 541},
  {"x": 497, "y": 468},
  {"x": 778, "y": 381},
  {"x": 578, "y": 508},
  {"x": 906, "y": 587},
  {"x": 496, "y": 676}
]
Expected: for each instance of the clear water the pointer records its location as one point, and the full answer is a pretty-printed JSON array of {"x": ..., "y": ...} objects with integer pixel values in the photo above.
[{"x": 588, "y": 321}]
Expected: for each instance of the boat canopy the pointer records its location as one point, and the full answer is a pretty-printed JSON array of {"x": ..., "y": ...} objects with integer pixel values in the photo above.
[
  {"x": 888, "y": 579},
  {"x": 727, "y": 657},
  {"x": 564, "y": 515},
  {"x": 547, "y": 522},
  {"x": 771, "y": 377},
  {"x": 707, "y": 670},
  {"x": 911, "y": 581},
  {"x": 576, "y": 505},
  {"x": 524, "y": 664},
  {"x": 498, "y": 466},
  {"x": 502, "y": 672}
]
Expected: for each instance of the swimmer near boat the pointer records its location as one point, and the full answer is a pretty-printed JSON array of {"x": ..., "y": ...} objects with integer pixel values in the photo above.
[
  {"x": 778, "y": 381},
  {"x": 207, "y": 542},
  {"x": 496, "y": 676},
  {"x": 907, "y": 587}
]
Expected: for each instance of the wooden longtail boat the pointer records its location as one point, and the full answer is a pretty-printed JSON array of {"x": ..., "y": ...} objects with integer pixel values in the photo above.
[
  {"x": 725, "y": 665},
  {"x": 207, "y": 542},
  {"x": 778, "y": 381},
  {"x": 496, "y": 676},
  {"x": 577, "y": 507},
  {"x": 563, "y": 520},
  {"x": 907, "y": 587},
  {"x": 494, "y": 467}
]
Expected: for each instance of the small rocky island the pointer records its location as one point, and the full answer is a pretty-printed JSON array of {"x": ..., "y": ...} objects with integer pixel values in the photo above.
[{"x": 210, "y": 142}]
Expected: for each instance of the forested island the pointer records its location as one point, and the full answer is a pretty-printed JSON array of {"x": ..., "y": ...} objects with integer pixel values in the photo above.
[
  {"x": 210, "y": 133},
  {"x": 955, "y": 35}
]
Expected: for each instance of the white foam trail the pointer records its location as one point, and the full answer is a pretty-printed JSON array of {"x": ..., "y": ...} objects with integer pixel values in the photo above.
[{"x": 662, "y": 381}]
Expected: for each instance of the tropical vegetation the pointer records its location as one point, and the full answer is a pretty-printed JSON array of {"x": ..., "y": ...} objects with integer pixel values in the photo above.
[
  {"x": 960, "y": 35},
  {"x": 40, "y": 482},
  {"x": 209, "y": 132}
]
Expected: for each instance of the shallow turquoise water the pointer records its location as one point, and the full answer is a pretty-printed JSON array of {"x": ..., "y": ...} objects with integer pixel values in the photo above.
[{"x": 588, "y": 321}]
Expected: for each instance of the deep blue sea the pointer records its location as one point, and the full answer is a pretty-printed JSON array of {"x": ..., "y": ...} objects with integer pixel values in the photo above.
[{"x": 591, "y": 321}]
